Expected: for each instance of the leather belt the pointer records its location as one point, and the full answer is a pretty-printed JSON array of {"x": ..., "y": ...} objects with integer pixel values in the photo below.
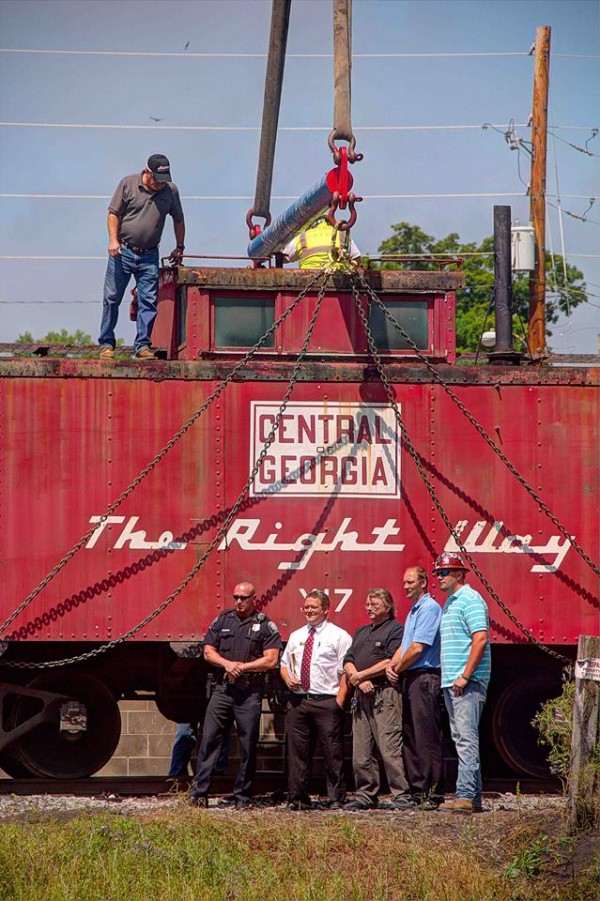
[
  {"x": 138, "y": 249},
  {"x": 313, "y": 696}
]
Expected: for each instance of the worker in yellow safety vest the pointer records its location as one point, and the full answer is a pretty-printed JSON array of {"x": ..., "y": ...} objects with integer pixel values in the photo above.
[{"x": 313, "y": 247}]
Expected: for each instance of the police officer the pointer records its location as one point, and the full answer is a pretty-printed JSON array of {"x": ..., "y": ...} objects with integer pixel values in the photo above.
[{"x": 243, "y": 644}]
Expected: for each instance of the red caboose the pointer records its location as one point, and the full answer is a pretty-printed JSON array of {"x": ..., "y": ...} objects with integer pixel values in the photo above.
[{"x": 272, "y": 444}]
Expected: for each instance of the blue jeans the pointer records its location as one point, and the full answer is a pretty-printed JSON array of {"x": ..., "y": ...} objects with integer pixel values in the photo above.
[
  {"x": 144, "y": 268},
  {"x": 183, "y": 745},
  {"x": 465, "y": 712}
]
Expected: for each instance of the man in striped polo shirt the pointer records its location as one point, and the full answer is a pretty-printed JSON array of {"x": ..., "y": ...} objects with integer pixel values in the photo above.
[{"x": 466, "y": 665}]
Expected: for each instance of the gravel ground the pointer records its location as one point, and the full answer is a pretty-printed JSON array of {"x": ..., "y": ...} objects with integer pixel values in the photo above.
[{"x": 16, "y": 806}]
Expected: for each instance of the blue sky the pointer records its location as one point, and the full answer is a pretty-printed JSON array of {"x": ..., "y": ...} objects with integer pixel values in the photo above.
[{"x": 201, "y": 100}]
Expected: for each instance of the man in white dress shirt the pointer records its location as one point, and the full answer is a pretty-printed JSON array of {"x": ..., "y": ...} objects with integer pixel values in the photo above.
[{"x": 312, "y": 668}]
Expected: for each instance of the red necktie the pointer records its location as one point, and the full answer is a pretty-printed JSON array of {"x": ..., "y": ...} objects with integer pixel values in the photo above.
[{"x": 306, "y": 658}]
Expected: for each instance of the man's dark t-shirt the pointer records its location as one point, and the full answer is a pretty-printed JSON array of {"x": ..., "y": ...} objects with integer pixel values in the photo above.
[
  {"x": 142, "y": 213},
  {"x": 372, "y": 644}
]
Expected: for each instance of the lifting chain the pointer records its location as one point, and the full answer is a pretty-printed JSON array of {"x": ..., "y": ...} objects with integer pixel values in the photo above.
[
  {"x": 427, "y": 482},
  {"x": 159, "y": 456},
  {"x": 95, "y": 652},
  {"x": 339, "y": 255},
  {"x": 479, "y": 428}
]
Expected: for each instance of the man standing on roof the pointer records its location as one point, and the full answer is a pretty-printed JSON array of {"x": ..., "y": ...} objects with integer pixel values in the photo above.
[
  {"x": 312, "y": 248},
  {"x": 466, "y": 666},
  {"x": 136, "y": 218}
]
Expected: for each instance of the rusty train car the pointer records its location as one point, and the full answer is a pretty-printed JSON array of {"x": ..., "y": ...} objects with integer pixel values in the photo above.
[{"x": 269, "y": 443}]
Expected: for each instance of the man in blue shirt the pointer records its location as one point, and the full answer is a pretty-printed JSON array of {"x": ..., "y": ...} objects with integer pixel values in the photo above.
[
  {"x": 466, "y": 665},
  {"x": 417, "y": 663}
]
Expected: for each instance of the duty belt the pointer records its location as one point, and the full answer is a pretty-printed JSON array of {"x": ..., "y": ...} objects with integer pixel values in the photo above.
[{"x": 242, "y": 682}]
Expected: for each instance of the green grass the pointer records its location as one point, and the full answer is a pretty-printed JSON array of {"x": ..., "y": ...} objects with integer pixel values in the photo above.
[{"x": 274, "y": 856}]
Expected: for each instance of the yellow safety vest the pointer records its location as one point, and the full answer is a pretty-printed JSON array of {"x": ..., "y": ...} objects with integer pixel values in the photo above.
[{"x": 314, "y": 246}]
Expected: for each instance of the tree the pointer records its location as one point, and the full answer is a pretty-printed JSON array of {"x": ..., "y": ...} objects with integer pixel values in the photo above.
[
  {"x": 565, "y": 288},
  {"x": 62, "y": 337}
]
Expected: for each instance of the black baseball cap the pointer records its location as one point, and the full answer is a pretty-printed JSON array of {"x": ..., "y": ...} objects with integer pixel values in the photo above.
[{"x": 160, "y": 167}]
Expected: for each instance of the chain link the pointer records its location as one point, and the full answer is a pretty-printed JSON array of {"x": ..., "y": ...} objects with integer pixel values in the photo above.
[
  {"x": 479, "y": 428},
  {"x": 95, "y": 652},
  {"x": 428, "y": 485}
]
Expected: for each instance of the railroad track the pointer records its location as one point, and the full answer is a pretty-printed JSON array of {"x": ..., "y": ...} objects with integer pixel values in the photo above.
[{"x": 132, "y": 786}]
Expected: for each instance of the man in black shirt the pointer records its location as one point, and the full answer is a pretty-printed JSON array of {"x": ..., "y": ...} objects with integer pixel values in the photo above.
[
  {"x": 376, "y": 705},
  {"x": 243, "y": 644}
]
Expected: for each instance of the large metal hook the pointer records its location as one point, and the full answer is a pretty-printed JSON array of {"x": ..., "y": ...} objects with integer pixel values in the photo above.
[{"x": 253, "y": 229}]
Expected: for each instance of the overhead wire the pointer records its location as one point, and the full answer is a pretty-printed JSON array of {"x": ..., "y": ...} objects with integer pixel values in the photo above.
[
  {"x": 243, "y": 128},
  {"x": 594, "y": 134},
  {"x": 245, "y": 197},
  {"x": 193, "y": 54}
]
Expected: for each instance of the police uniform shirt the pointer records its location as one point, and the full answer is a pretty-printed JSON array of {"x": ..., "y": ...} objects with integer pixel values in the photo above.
[
  {"x": 326, "y": 663},
  {"x": 373, "y": 643},
  {"x": 240, "y": 639}
]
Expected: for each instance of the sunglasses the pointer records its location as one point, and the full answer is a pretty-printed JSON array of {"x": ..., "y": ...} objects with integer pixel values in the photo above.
[
  {"x": 444, "y": 572},
  {"x": 242, "y": 597}
]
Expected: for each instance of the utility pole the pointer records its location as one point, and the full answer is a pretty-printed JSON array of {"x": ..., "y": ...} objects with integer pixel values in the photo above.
[{"x": 539, "y": 132}]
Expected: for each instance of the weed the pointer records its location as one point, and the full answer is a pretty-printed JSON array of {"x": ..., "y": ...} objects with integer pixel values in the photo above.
[
  {"x": 554, "y": 722},
  {"x": 528, "y": 862}
]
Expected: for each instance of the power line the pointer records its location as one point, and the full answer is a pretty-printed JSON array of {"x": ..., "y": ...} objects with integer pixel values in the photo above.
[
  {"x": 256, "y": 128},
  {"x": 246, "y": 197},
  {"x": 190, "y": 54},
  {"x": 243, "y": 128},
  {"x": 583, "y": 218},
  {"x": 220, "y": 55}
]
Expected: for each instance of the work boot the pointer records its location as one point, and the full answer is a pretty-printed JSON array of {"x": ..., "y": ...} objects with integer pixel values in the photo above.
[
  {"x": 145, "y": 353},
  {"x": 107, "y": 352},
  {"x": 459, "y": 805},
  {"x": 198, "y": 801}
]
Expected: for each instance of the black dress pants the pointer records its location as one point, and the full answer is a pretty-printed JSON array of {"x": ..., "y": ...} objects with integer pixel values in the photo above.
[
  {"x": 422, "y": 730},
  {"x": 310, "y": 720}
]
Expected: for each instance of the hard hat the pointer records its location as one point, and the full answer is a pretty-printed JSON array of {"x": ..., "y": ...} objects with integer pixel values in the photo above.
[{"x": 450, "y": 560}]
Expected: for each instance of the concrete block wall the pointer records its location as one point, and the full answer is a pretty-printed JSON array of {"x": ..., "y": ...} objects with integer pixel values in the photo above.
[
  {"x": 147, "y": 738},
  {"x": 144, "y": 748}
]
